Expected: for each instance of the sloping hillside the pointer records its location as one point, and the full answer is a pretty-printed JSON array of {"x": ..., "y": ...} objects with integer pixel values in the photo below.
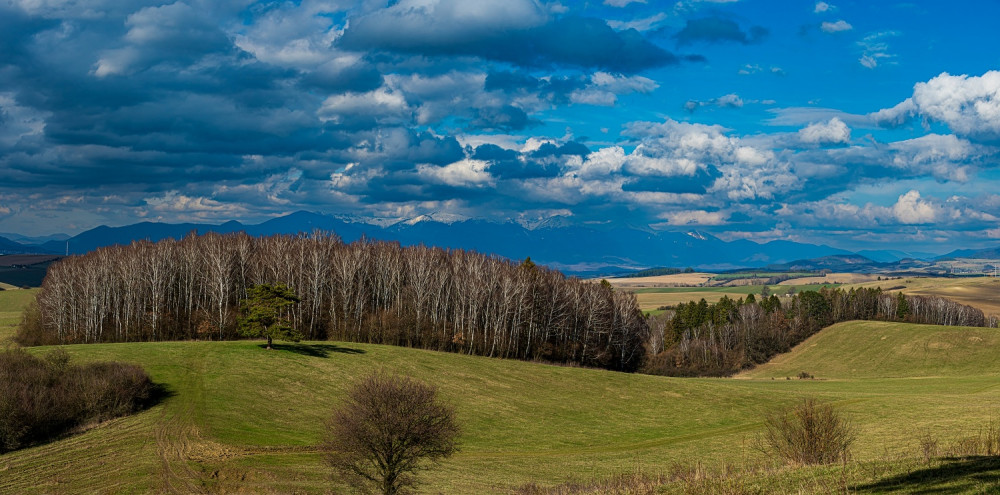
[
  {"x": 240, "y": 419},
  {"x": 243, "y": 418},
  {"x": 867, "y": 349}
]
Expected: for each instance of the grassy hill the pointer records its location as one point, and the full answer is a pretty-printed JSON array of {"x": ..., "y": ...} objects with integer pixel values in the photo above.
[
  {"x": 243, "y": 419},
  {"x": 870, "y": 349}
]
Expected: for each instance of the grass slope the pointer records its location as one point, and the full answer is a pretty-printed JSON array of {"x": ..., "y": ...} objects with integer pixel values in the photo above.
[
  {"x": 12, "y": 302},
  {"x": 870, "y": 349},
  {"x": 243, "y": 419}
]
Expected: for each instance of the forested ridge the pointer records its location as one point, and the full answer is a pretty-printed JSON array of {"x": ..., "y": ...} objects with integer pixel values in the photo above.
[{"x": 377, "y": 292}]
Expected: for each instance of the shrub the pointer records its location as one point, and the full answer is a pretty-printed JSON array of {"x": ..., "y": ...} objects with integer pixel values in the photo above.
[
  {"x": 388, "y": 426},
  {"x": 43, "y": 398},
  {"x": 32, "y": 332},
  {"x": 928, "y": 447},
  {"x": 811, "y": 433}
]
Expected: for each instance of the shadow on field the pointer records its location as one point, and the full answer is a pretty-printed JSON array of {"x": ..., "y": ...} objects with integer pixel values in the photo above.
[
  {"x": 158, "y": 393},
  {"x": 979, "y": 474},
  {"x": 314, "y": 350}
]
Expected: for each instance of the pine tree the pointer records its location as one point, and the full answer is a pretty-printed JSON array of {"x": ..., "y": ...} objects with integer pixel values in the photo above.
[{"x": 262, "y": 313}]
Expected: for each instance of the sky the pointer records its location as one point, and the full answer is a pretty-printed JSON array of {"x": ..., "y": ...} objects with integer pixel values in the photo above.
[{"x": 857, "y": 124}]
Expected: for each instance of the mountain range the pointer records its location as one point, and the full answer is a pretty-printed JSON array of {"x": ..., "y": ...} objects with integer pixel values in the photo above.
[{"x": 574, "y": 249}]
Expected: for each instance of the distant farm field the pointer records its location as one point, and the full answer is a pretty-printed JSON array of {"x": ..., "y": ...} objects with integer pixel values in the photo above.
[
  {"x": 678, "y": 279},
  {"x": 978, "y": 292},
  {"x": 652, "y": 298},
  {"x": 24, "y": 270},
  {"x": 834, "y": 278}
]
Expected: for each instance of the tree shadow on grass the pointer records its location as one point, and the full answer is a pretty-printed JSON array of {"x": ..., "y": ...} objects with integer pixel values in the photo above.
[
  {"x": 314, "y": 350},
  {"x": 158, "y": 393},
  {"x": 979, "y": 474}
]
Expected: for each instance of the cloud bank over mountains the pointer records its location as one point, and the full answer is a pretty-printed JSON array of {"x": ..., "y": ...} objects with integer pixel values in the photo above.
[{"x": 523, "y": 110}]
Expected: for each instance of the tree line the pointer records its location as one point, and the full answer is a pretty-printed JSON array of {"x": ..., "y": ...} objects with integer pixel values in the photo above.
[
  {"x": 702, "y": 339},
  {"x": 376, "y": 292}
]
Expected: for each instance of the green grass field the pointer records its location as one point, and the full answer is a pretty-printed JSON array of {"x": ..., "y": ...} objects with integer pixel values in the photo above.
[
  {"x": 879, "y": 350},
  {"x": 243, "y": 419},
  {"x": 12, "y": 302}
]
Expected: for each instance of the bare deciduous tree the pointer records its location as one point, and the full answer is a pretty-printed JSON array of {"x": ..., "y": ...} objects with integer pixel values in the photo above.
[{"x": 388, "y": 429}]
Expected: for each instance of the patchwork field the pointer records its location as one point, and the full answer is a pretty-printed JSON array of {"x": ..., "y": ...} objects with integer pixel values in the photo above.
[
  {"x": 651, "y": 298},
  {"x": 978, "y": 292},
  {"x": 677, "y": 279},
  {"x": 834, "y": 278}
]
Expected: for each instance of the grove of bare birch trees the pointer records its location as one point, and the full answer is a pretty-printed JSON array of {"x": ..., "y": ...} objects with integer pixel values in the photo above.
[{"x": 374, "y": 292}]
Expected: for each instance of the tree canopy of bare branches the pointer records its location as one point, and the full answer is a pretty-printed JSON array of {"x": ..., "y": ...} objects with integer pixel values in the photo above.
[
  {"x": 375, "y": 292},
  {"x": 387, "y": 430}
]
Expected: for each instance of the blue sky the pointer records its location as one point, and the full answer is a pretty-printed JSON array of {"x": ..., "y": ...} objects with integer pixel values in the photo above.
[{"x": 855, "y": 124}]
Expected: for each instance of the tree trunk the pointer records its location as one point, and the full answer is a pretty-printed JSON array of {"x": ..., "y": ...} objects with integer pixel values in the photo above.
[{"x": 269, "y": 342}]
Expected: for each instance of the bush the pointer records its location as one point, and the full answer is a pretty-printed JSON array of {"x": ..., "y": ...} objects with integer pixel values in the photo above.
[
  {"x": 811, "y": 433},
  {"x": 32, "y": 332},
  {"x": 387, "y": 428},
  {"x": 44, "y": 398}
]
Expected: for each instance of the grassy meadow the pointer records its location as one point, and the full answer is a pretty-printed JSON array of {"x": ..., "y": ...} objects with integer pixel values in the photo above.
[
  {"x": 239, "y": 418},
  {"x": 12, "y": 302}
]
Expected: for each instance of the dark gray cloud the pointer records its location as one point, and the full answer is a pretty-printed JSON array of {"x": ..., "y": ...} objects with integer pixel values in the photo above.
[
  {"x": 505, "y": 118},
  {"x": 357, "y": 77},
  {"x": 718, "y": 29},
  {"x": 696, "y": 184},
  {"x": 569, "y": 41}
]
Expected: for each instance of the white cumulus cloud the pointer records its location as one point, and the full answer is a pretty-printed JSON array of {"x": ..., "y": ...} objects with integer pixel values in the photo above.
[
  {"x": 694, "y": 217},
  {"x": 968, "y": 105},
  {"x": 823, "y": 7},
  {"x": 910, "y": 209},
  {"x": 836, "y": 27},
  {"x": 834, "y": 131},
  {"x": 463, "y": 173}
]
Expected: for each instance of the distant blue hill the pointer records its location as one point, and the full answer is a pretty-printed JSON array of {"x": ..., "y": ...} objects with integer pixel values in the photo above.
[
  {"x": 573, "y": 249},
  {"x": 8, "y": 246},
  {"x": 892, "y": 256},
  {"x": 28, "y": 240},
  {"x": 984, "y": 254}
]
